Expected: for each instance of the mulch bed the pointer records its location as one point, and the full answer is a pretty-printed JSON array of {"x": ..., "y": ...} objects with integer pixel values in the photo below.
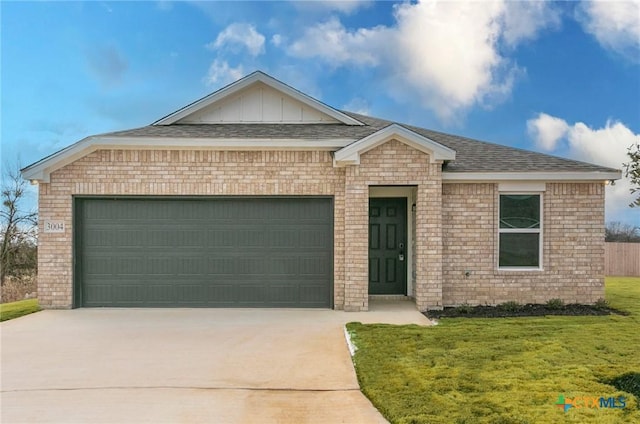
[{"x": 529, "y": 310}]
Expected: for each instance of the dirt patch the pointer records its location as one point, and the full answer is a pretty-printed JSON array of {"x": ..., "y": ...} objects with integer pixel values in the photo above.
[
  {"x": 529, "y": 310},
  {"x": 14, "y": 288}
]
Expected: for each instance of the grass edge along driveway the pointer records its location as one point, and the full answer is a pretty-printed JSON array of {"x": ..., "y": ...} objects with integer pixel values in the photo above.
[
  {"x": 503, "y": 370},
  {"x": 17, "y": 309}
]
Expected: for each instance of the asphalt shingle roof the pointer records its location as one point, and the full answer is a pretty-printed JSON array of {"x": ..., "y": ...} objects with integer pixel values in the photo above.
[
  {"x": 471, "y": 155},
  {"x": 259, "y": 131}
]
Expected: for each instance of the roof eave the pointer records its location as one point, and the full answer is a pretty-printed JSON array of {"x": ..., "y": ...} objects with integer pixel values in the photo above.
[
  {"x": 41, "y": 170},
  {"x": 460, "y": 177}
]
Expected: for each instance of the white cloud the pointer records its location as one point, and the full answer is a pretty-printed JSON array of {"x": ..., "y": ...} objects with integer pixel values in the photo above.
[
  {"x": 547, "y": 130},
  {"x": 345, "y": 7},
  {"x": 240, "y": 35},
  {"x": 446, "y": 53},
  {"x": 615, "y": 24},
  {"x": 276, "y": 40},
  {"x": 220, "y": 73},
  {"x": 331, "y": 41},
  {"x": 605, "y": 146},
  {"x": 524, "y": 19}
]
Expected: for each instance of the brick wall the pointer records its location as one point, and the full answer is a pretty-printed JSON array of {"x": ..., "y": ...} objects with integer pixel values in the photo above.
[
  {"x": 573, "y": 247},
  {"x": 163, "y": 172},
  {"x": 393, "y": 163},
  {"x": 455, "y": 224}
]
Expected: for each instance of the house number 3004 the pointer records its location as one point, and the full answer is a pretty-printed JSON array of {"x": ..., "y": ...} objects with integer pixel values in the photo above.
[{"x": 53, "y": 226}]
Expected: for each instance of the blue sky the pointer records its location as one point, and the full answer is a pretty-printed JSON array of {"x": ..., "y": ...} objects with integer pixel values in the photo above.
[{"x": 559, "y": 78}]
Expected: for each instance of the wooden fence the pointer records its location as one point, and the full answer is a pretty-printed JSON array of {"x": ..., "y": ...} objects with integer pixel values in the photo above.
[{"x": 622, "y": 259}]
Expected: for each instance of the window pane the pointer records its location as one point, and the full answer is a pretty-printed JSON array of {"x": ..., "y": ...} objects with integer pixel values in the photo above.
[
  {"x": 519, "y": 249},
  {"x": 520, "y": 211}
]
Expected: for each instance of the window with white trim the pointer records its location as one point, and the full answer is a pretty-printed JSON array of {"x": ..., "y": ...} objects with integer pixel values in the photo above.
[{"x": 520, "y": 231}]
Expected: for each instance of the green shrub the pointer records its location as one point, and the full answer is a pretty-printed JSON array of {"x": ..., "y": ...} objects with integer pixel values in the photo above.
[
  {"x": 555, "y": 304},
  {"x": 465, "y": 308},
  {"x": 510, "y": 306},
  {"x": 601, "y": 304}
]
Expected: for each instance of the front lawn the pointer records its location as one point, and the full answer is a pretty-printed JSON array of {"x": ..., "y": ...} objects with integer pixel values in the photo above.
[
  {"x": 505, "y": 370},
  {"x": 17, "y": 309}
]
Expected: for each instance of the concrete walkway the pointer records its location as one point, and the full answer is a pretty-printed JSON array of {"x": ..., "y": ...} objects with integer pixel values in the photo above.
[{"x": 186, "y": 365}]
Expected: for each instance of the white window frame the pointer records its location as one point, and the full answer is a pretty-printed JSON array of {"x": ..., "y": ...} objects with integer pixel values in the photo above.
[{"x": 539, "y": 231}]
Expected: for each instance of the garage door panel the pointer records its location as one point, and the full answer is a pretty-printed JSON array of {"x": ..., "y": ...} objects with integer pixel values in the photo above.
[
  {"x": 157, "y": 294},
  {"x": 189, "y": 264},
  {"x": 284, "y": 294},
  {"x": 282, "y": 266},
  {"x": 251, "y": 237},
  {"x": 190, "y": 293},
  {"x": 131, "y": 293},
  {"x": 283, "y": 238},
  {"x": 313, "y": 265},
  {"x": 316, "y": 238},
  {"x": 221, "y": 238},
  {"x": 220, "y": 266},
  {"x": 220, "y": 292},
  {"x": 101, "y": 237},
  {"x": 246, "y": 294},
  {"x": 99, "y": 265},
  {"x": 311, "y": 294},
  {"x": 97, "y": 290},
  {"x": 191, "y": 237},
  {"x": 160, "y": 265},
  {"x": 242, "y": 252}
]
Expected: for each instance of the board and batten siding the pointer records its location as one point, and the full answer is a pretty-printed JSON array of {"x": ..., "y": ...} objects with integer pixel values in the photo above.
[{"x": 259, "y": 103}]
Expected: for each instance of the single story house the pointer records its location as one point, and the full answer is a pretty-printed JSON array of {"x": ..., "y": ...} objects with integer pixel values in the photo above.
[{"x": 261, "y": 196}]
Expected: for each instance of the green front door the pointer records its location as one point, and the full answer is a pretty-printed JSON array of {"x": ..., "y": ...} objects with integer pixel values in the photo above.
[{"x": 388, "y": 246}]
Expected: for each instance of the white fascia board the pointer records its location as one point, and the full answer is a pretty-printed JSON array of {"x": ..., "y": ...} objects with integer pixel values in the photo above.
[
  {"x": 223, "y": 143},
  {"x": 247, "y": 81},
  {"x": 350, "y": 155},
  {"x": 458, "y": 177},
  {"x": 41, "y": 170}
]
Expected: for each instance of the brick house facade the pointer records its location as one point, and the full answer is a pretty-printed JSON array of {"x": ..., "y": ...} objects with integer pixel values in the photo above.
[{"x": 457, "y": 243}]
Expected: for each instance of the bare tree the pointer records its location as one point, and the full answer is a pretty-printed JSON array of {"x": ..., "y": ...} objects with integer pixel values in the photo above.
[
  {"x": 18, "y": 228},
  {"x": 620, "y": 232}
]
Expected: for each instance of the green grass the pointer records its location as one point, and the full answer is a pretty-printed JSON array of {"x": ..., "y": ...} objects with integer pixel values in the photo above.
[
  {"x": 508, "y": 370},
  {"x": 17, "y": 309}
]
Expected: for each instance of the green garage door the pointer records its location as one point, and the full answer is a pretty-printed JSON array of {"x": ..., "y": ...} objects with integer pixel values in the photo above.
[{"x": 222, "y": 252}]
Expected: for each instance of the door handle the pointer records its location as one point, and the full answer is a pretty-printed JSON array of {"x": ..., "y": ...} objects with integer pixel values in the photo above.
[{"x": 401, "y": 257}]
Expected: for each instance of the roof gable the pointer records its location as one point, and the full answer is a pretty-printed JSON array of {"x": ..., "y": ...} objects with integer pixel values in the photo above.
[
  {"x": 257, "y": 98},
  {"x": 350, "y": 155}
]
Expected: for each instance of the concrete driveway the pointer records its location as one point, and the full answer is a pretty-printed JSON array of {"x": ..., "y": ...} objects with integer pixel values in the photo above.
[{"x": 186, "y": 365}]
